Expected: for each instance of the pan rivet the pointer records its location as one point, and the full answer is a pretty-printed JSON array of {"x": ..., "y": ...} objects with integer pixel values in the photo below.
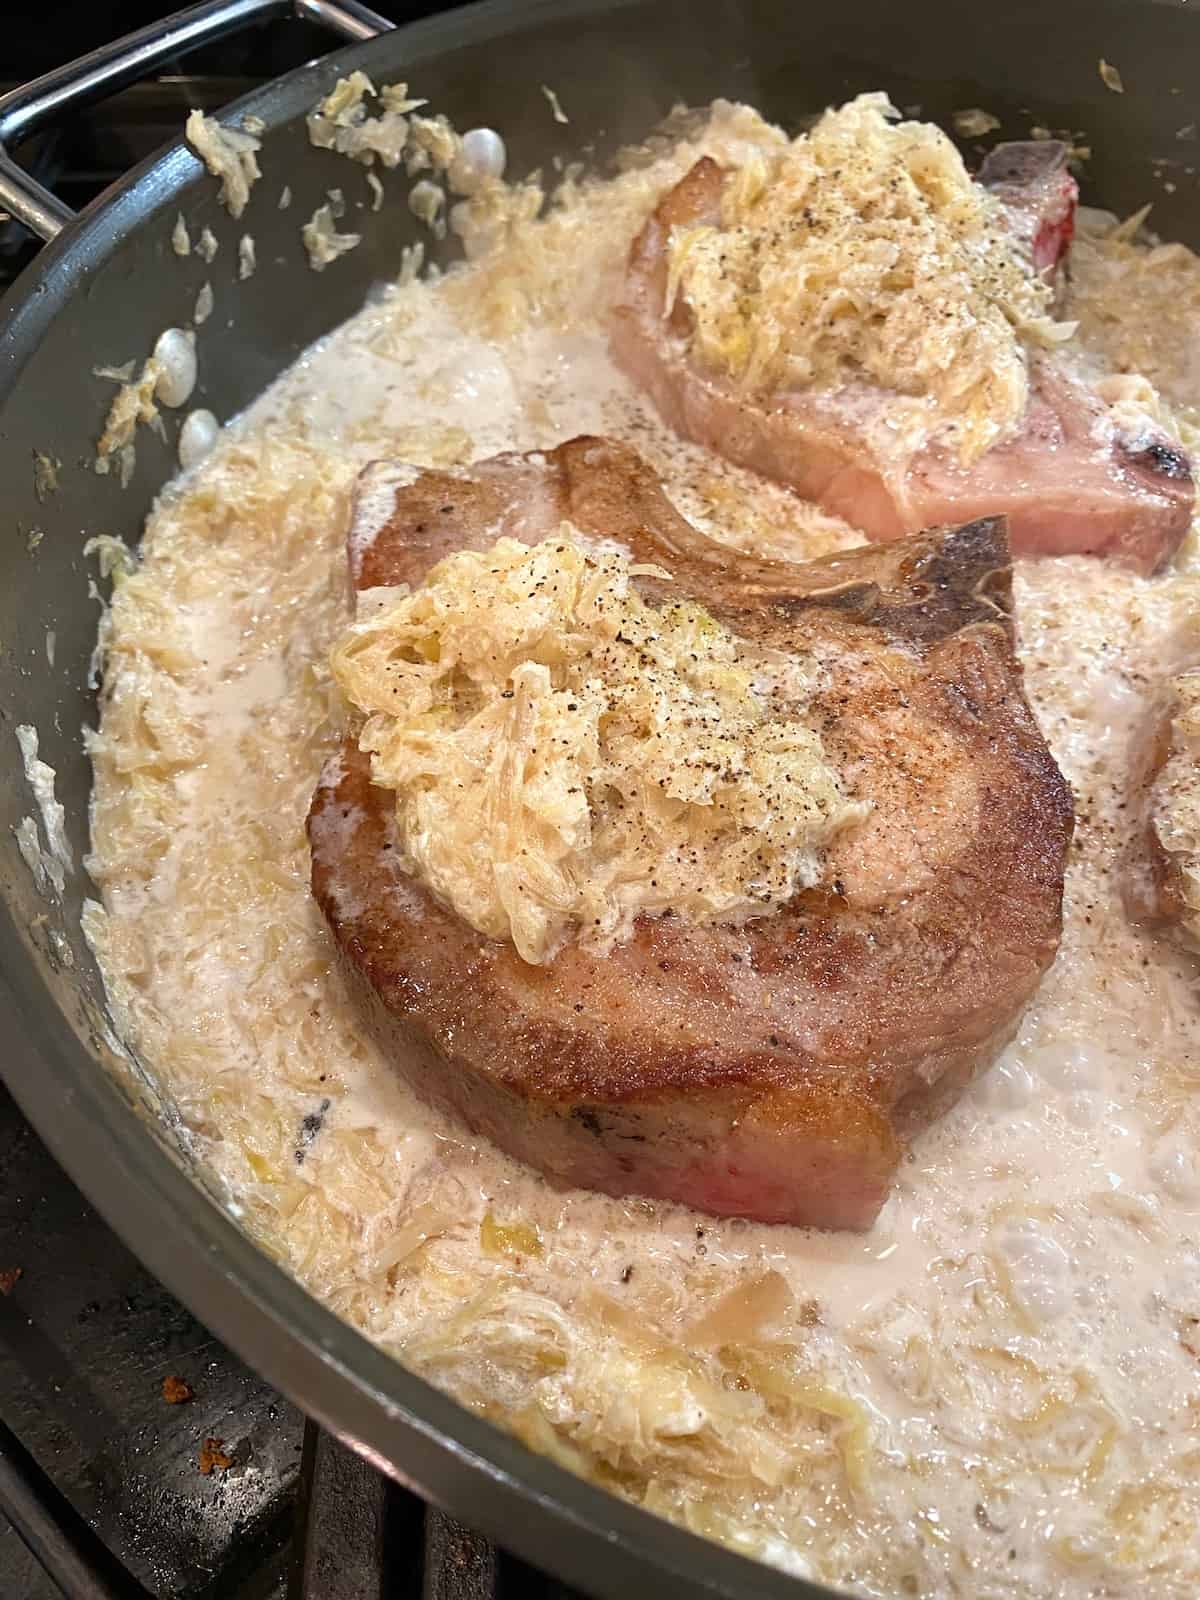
[
  {"x": 197, "y": 437},
  {"x": 483, "y": 156}
]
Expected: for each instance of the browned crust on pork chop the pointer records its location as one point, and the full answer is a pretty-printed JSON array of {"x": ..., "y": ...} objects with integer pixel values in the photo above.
[
  {"x": 775, "y": 1069},
  {"x": 1152, "y": 887},
  {"x": 1155, "y": 881}
]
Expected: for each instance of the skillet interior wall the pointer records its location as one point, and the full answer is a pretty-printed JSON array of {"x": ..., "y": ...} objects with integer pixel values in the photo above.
[{"x": 105, "y": 290}]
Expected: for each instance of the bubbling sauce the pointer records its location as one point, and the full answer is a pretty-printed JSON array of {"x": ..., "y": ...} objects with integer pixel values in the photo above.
[{"x": 995, "y": 1392}]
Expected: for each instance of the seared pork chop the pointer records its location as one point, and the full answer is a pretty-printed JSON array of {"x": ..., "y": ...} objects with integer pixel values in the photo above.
[
  {"x": 1071, "y": 480},
  {"x": 774, "y": 1069},
  {"x": 1162, "y": 877}
]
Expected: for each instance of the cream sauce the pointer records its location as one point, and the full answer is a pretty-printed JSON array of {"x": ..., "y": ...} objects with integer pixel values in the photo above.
[{"x": 1013, "y": 1347}]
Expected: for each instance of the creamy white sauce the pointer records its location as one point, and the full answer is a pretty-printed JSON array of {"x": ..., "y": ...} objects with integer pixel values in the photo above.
[{"x": 1014, "y": 1331}]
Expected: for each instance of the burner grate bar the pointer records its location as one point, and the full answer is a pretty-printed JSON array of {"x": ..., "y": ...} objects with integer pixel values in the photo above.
[
  {"x": 362, "y": 1537},
  {"x": 342, "y": 1519},
  {"x": 459, "y": 1563},
  {"x": 57, "y": 1536}
]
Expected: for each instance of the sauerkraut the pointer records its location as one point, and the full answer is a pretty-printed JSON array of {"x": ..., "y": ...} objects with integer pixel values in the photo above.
[
  {"x": 863, "y": 250},
  {"x": 51, "y": 866},
  {"x": 323, "y": 241},
  {"x": 132, "y": 407},
  {"x": 168, "y": 376},
  {"x": 1136, "y": 301},
  {"x": 343, "y": 122},
  {"x": 567, "y": 757},
  {"x": 230, "y": 154}
]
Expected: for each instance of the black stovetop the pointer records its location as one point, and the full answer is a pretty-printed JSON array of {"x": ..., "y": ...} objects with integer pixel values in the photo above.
[{"x": 95, "y": 1462}]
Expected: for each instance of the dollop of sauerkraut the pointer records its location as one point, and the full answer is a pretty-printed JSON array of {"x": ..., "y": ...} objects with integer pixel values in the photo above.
[
  {"x": 566, "y": 756},
  {"x": 863, "y": 250}
]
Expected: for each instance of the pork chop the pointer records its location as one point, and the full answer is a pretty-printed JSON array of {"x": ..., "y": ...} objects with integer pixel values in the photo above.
[
  {"x": 775, "y": 1069},
  {"x": 1162, "y": 868},
  {"x": 1073, "y": 479}
]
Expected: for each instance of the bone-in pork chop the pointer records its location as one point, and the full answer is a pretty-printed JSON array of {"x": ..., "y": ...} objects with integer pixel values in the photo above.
[
  {"x": 1073, "y": 478},
  {"x": 1162, "y": 867},
  {"x": 775, "y": 1069}
]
